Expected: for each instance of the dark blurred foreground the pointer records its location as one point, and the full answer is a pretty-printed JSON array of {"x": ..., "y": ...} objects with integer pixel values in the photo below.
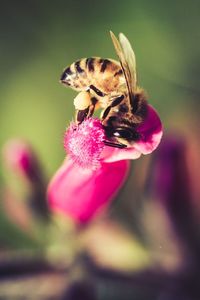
[{"x": 145, "y": 247}]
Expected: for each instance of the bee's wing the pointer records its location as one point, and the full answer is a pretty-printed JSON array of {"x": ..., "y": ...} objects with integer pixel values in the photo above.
[{"x": 127, "y": 60}]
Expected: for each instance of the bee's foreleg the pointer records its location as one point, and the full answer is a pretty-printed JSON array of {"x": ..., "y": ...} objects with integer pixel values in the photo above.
[{"x": 115, "y": 145}]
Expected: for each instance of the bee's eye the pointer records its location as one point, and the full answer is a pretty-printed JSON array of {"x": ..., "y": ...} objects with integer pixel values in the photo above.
[{"x": 124, "y": 133}]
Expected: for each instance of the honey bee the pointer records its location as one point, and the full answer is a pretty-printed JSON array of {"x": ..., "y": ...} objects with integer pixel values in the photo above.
[{"x": 112, "y": 86}]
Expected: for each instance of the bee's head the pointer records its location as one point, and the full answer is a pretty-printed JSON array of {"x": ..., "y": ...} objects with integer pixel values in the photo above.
[{"x": 122, "y": 135}]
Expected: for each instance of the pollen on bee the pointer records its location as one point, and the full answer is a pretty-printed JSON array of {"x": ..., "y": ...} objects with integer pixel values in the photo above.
[{"x": 82, "y": 100}]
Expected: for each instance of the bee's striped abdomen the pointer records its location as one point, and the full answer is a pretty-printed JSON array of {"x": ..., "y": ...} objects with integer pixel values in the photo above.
[
  {"x": 90, "y": 63},
  {"x": 103, "y": 74},
  {"x": 104, "y": 64},
  {"x": 75, "y": 75},
  {"x": 67, "y": 72}
]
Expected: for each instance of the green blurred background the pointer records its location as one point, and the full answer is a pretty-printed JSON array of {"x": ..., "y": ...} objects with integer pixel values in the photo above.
[{"x": 40, "y": 38}]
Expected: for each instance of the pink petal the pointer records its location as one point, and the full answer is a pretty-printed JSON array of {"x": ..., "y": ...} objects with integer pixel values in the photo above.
[
  {"x": 151, "y": 133},
  {"x": 80, "y": 193},
  {"x": 111, "y": 154}
]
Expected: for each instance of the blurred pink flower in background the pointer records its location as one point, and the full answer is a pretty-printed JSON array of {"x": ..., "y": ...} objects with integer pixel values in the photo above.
[
  {"x": 23, "y": 165},
  {"x": 81, "y": 193},
  {"x": 170, "y": 182},
  {"x": 19, "y": 157}
]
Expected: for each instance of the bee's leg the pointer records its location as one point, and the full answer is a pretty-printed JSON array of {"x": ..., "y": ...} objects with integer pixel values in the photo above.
[
  {"x": 97, "y": 91},
  {"x": 115, "y": 101},
  {"x": 105, "y": 112},
  {"x": 115, "y": 145},
  {"x": 92, "y": 106},
  {"x": 81, "y": 115}
]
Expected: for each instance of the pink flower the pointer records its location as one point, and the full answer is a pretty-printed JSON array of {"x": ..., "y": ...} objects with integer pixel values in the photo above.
[
  {"x": 83, "y": 193},
  {"x": 151, "y": 133}
]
